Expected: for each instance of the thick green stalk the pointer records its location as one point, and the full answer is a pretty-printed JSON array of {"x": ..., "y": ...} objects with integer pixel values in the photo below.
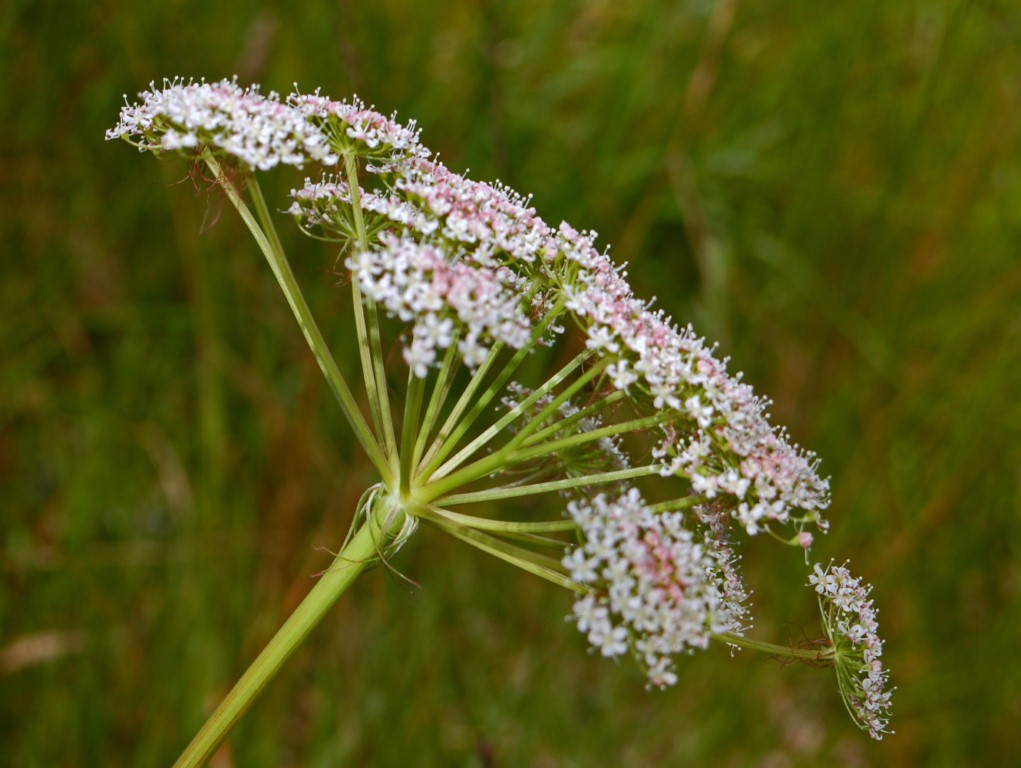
[
  {"x": 269, "y": 245},
  {"x": 362, "y": 548}
]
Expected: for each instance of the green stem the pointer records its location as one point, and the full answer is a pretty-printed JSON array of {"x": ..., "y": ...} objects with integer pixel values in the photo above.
[
  {"x": 554, "y": 405},
  {"x": 508, "y": 418},
  {"x": 544, "y": 567},
  {"x": 441, "y": 388},
  {"x": 509, "y": 492},
  {"x": 561, "y": 426},
  {"x": 409, "y": 427},
  {"x": 356, "y": 555},
  {"x": 367, "y": 327},
  {"x": 501, "y": 459},
  {"x": 368, "y": 366},
  {"x": 505, "y": 526},
  {"x": 262, "y": 211},
  {"x": 454, "y": 427},
  {"x": 270, "y": 247},
  {"x": 563, "y": 443},
  {"x": 822, "y": 656},
  {"x": 676, "y": 505},
  {"x": 450, "y": 434}
]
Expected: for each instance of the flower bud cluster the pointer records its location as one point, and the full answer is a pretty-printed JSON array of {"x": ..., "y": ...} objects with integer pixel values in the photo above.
[
  {"x": 850, "y": 623},
  {"x": 255, "y": 128},
  {"x": 657, "y": 590}
]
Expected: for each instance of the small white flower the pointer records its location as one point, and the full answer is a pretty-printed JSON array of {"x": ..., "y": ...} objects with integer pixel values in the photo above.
[
  {"x": 257, "y": 129},
  {"x": 849, "y": 620},
  {"x": 661, "y": 589}
]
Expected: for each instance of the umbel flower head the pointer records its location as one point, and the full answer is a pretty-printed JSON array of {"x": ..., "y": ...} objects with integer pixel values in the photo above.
[
  {"x": 258, "y": 130},
  {"x": 528, "y": 368},
  {"x": 850, "y": 622}
]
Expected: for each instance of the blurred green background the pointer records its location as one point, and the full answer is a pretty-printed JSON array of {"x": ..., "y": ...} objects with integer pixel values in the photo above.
[{"x": 832, "y": 191}]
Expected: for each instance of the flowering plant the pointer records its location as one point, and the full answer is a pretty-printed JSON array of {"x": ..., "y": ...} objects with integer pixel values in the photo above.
[{"x": 660, "y": 457}]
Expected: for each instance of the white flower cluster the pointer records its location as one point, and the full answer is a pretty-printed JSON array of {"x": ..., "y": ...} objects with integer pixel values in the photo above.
[
  {"x": 849, "y": 619},
  {"x": 421, "y": 284},
  {"x": 657, "y": 591},
  {"x": 487, "y": 230},
  {"x": 257, "y": 129},
  {"x": 491, "y": 220},
  {"x": 720, "y": 436},
  {"x": 354, "y": 127},
  {"x": 717, "y": 542}
]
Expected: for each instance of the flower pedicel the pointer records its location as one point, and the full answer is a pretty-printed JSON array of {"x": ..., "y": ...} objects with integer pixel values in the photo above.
[{"x": 477, "y": 289}]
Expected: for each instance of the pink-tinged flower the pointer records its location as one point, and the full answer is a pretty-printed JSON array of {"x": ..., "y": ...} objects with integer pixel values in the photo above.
[
  {"x": 490, "y": 217},
  {"x": 257, "y": 129},
  {"x": 850, "y": 623},
  {"x": 658, "y": 590}
]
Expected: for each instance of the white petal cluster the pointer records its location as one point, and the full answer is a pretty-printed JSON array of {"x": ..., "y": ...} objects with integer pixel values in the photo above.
[
  {"x": 491, "y": 217},
  {"x": 256, "y": 128},
  {"x": 733, "y": 609},
  {"x": 657, "y": 590},
  {"x": 720, "y": 437},
  {"x": 849, "y": 619},
  {"x": 355, "y": 127},
  {"x": 421, "y": 284}
]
